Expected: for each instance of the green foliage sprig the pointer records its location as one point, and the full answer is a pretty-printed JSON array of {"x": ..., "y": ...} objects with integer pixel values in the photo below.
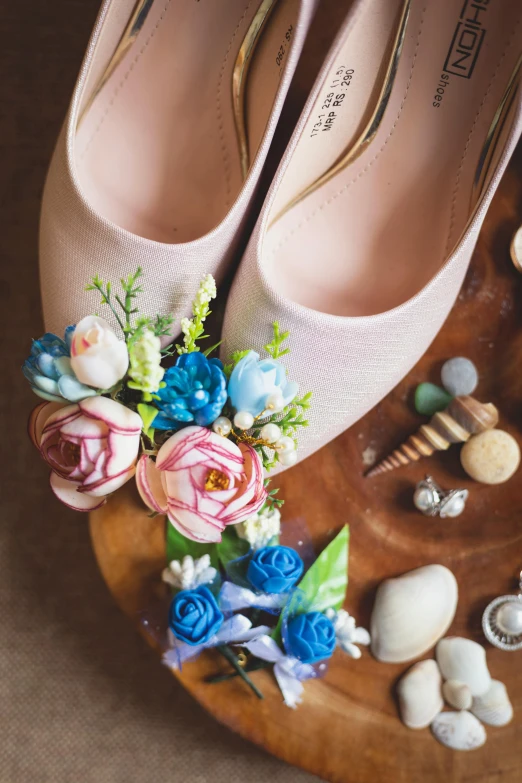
[
  {"x": 131, "y": 287},
  {"x": 234, "y": 359},
  {"x": 274, "y": 346},
  {"x": 272, "y": 501}
]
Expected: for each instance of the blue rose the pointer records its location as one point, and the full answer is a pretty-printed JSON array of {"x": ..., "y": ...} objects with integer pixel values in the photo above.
[
  {"x": 310, "y": 637},
  {"x": 194, "y": 393},
  {"x": 48, "y": 369},
  {"x": 253, "y": 380},
  {"x": 274, "y": 569},
  {"x": 194, "y": 616}
]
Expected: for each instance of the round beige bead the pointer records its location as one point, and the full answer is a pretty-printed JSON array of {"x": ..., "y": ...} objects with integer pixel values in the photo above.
[{"x": 491, "y": 457}]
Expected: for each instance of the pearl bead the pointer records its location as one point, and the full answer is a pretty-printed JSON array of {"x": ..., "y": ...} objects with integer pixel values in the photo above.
[
  {"x": 284, "y": 445},
  {"x": 509, "y": 618},
  {"x": 243, "y": 420},
  {"x": 424, "y": 500},
  {"x": 270, "y": 433},
  {"x": 275, "y": 402},
  {"x": 222, "y": 426},
  {"x": 288, "y": 458},
  {"x": 454, "y": 504}
]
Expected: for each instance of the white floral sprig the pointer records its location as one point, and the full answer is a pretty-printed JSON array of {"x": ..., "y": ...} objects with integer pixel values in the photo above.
[
  {"x": 347, "y": 633},
  {"x": 190, "y": 573},
  {"x": 260, "y": 529},
  {"x": 145, "y": 368},
  {"x": 193, "y": 328}
]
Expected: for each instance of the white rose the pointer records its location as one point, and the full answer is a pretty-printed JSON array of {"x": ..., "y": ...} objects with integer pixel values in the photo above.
[{"x": 98, "y": 358}]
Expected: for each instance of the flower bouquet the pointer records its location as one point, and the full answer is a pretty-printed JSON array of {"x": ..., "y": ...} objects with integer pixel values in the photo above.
[
  {"x": 197, "y": 435},
  {"x": 219, "y": 606}
]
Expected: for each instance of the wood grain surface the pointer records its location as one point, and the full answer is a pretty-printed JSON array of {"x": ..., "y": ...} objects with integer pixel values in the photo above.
[{"x": 347, "y": 730}]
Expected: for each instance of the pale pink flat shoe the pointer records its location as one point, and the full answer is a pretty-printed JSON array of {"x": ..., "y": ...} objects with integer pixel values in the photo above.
[
  {"x": 369, "y": 226},
  {"x": 167, "y": 133}
]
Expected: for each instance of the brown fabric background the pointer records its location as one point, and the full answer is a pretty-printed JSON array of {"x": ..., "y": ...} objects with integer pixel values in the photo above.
[{"x": 81, "y": 696}]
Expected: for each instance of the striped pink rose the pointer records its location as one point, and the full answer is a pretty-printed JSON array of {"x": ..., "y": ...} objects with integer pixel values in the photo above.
[{"x": 203, "y": 482}]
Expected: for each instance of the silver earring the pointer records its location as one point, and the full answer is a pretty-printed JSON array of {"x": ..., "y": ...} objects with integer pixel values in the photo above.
[
  {"x": 502, "y": 621},
  {"x": 432, "y": 501}
]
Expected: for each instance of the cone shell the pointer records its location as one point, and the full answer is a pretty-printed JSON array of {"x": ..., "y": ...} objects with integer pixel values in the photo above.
[{"x": 463, "y": 418}]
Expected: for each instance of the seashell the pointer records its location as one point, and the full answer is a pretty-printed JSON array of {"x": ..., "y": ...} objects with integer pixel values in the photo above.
[
  {"x": 463, "y": 417},
  {"x": 465, "y": 661},
  {"x": 516, "y": 249},
  {"x": 493, "y": 707},
  {"x": 459, "y": 730},
  {"x": 412, "y": 612},
  {"x": 457, "y": 694},
  {"x": 419, "y": 694}
]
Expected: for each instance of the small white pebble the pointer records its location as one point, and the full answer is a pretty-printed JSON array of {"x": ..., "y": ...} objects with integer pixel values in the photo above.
[{"x": 369, "y": 456}]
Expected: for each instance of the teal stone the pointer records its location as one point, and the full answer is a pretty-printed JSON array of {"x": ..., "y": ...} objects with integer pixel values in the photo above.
[{"x": 430, "y": 399}]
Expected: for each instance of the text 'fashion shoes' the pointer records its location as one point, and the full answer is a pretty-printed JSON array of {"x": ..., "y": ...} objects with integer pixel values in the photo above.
[
  {"x": 368, "y": 229},
  {"x": 168, "y": 130}
]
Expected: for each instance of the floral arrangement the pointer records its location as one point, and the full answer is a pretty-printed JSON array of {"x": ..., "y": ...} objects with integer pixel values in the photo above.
[
  {"x": 197, "y": 436},
  {"x": 219, "y": 597}
]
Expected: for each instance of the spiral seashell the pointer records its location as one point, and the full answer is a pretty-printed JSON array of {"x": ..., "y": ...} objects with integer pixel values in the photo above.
[{"x": 463, "y": 418}]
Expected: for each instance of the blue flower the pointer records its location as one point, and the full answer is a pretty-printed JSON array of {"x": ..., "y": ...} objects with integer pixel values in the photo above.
[
  {"x": 310, "y": 637},
  {"x": 48, "y": 369},
  {"x": 253, "y": 380},
  {"x": 194, "y": 616},
  {"x": 274, "y": 569},
  {"x": 194, "y": 393}
]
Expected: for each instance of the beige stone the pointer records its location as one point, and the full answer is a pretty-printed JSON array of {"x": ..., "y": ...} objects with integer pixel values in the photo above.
[{"x": 491, "y": 457}]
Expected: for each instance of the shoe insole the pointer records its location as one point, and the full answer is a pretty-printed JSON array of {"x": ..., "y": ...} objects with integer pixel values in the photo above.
[
  {"x": 373, "y": 235},
  {"x": 157, "y": 152}
]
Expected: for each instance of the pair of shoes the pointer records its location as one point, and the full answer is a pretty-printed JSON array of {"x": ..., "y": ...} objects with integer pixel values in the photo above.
[{"x": 368, "y": 228}]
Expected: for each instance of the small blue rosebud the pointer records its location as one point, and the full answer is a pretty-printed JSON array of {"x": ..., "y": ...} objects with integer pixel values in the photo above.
[
  {"x": 310, "y": 637},
  {"x": 274, "y": 569}
]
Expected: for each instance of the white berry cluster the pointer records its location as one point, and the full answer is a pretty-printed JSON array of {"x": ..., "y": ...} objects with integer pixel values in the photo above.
[
  {"x": 347, "y": 633},
  {"x": 190, "y": 573},
  {"x": 260, "y": 529}
]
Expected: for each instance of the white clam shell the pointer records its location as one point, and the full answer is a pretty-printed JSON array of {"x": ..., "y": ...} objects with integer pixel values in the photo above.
[
  {"x": 459, "y": 730},
  {"x": 412, "y": 612},
  {"x": 464, "y": 660},
  {"x": 419, "y": 694},
  {"x": 493, "y": 707},
  {"x": 457, "y": 694}
]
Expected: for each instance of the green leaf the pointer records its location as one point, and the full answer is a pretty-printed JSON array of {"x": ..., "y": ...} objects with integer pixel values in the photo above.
[
  {"x": 208, "y": 351},
  {"x": 178, "y": 547},
  {"x": 148, "y": 413},
  {"x": 231, "y": 547},
  {"x": 324, "y": 584}
]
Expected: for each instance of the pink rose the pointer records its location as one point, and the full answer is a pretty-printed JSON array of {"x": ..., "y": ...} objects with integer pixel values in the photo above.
[
  {"x": 203, "y": 482},
  {"x": 91, "y": 446}
]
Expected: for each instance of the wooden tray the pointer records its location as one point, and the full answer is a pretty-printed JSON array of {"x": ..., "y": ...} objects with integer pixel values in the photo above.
[{"x": 347, "y": 728}]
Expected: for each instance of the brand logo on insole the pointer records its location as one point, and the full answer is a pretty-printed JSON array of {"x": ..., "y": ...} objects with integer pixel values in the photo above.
[{"x": 467, "y": 39}]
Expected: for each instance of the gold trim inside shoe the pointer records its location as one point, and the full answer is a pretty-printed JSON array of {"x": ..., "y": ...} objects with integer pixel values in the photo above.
[
  {"x": 239, "y": 74},
  {"x": 129, "y": 35},
  {"x": 239, "y": 79},
  {"x": 372, "y": 126},
  {"x": 494, "y": 133}
]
